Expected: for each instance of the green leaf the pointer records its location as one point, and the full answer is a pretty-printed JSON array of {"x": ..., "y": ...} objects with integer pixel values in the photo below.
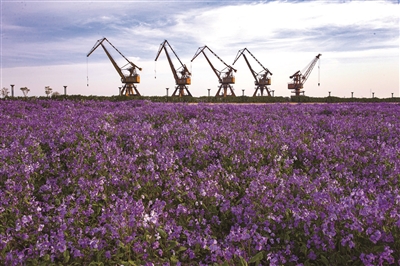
[
  {"x": 172, "y": 244},
  {"x": 303, "y": 249},
  {"x": 287, "y": 236},
  {"x": 378, "y": 249},
  {"x": 257, "y": 258},
  {"x": 243, "y": 262},
  {"x": 181, "y": 248},
  {"x": 162, "y": 233},
  {"x": 66, "y": 256},
  {"x": 324, "y": 260},
  {"x": 173, "y": 259}
]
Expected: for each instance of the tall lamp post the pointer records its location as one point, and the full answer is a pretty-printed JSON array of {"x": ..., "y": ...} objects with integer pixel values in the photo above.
[{"x": 12, "y": 90}]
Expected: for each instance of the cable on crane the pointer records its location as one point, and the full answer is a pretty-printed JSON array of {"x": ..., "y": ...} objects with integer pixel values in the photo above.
[
  {"x": 319, "y": 71},
  {"x": 87, "y": 71}
]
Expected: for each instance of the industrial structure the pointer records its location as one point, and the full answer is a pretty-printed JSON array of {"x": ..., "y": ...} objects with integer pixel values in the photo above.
[
  {"x": 182, "y": 75},
  {"x": 131, "y": 79},
  {"x": 225, "y": 76},
  {"x": 262, "y": 78},
  {"x": 299, "y": 79}
]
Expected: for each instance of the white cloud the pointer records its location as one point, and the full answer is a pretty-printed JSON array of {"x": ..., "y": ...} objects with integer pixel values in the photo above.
[{"x": 284, "y": 36}]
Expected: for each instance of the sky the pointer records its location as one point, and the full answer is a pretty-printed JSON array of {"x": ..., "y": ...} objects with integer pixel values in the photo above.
[{"x": 45, "y": 43}]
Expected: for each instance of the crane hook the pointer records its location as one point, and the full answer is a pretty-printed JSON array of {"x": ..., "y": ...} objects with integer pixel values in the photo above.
[
  {"x": 155, "y": 69},
  {"x": 319, "y": 71},
  {"x": 87, "y": 72}
]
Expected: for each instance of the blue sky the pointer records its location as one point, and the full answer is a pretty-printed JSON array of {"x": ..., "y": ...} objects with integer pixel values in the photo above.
[{"x": 44, "y": 43}]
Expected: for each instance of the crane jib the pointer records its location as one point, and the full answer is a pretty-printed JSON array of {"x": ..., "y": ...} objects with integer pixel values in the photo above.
[{"x": 129, "y": 81}]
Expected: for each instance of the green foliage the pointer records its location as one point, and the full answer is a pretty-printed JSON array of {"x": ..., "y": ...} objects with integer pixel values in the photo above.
[{"x": 212, "y": 99}]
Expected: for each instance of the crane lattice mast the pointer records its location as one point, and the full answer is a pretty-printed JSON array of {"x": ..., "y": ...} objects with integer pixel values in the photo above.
[
  {"x": 182, "y": 75},
  {"x": 225, "y": 76},
  {"x": 262, "y": 78},
  {"x": 129, "y": 80},
  {"x": 299, "y": 79}
]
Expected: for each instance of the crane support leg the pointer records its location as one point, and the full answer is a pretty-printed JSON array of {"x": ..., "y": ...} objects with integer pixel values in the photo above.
[
  {"x": 130, "y": 90},
  {"x": 224, "y": 93},
  {"x": 261, "y": 88},
  {"x": 180, "y": 89}
]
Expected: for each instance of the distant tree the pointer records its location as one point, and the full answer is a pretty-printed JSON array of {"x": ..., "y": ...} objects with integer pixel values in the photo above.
[
  {"x": 48, "y": 90},
  {"x": 25, "y": 91},
  {"x": 4, "y": 92},
  {"x": 55, "y": 94}
]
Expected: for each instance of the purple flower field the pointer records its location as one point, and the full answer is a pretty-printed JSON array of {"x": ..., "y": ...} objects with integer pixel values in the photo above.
[{"x": 141, "y": 183}]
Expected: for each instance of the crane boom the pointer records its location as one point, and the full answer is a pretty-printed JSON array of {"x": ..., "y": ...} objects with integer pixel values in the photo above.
[
  {"x": 225, "y": 80},
  {"x": 128, "y": 80},
  {"x": 261, "y": 79},
  {"x": 310, "y": 68},
  {"x": 100, "y": 42},
  {"x": 217, "y": 72},
  {"x": 299, "y": 79},
  {"x": 241, "y": 52},
  {"x": 185, "y": 75}
]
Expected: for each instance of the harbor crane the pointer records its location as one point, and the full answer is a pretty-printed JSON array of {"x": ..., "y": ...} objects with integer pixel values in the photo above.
[
  {"x": 299, "y": 79},
  {"x": 262, "y": 78},
  {"x": 129, "y": 80},
  {"x": 225, "y": 76},
  {"x": 182, "y": 75}
]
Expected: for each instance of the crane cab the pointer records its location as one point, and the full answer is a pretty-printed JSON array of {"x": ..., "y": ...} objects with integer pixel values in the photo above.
[
  {"x": 132, "y": 79},
  {"x": 263, "y": 82},
  {"x": 293, "y": 86},
  {"x": 228, "y": 80},
  {"x": 184, "y": 81}
]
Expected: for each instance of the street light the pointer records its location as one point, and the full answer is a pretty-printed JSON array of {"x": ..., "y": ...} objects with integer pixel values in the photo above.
[{"x": 12, "y": 90}]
